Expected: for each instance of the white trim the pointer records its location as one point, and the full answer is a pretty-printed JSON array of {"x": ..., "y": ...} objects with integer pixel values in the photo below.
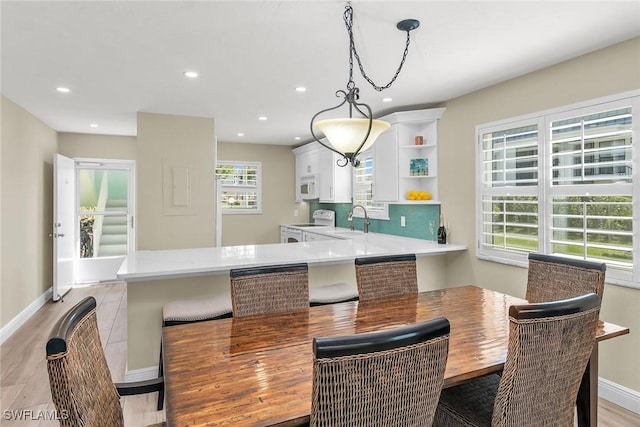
[
  {"x": 22, "y": 318},
  {"x": 142, "y": 374},
  {"x": 620, "y": 395}
]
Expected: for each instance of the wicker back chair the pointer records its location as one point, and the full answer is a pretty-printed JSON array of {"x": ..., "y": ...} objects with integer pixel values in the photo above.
[
  {"x": 81, "y": 385},
  {"x": 392, "y": 377},
  {"x": 549, "y": 347},
  {"x": 270, "y": 289},
  {"x": 385, "y": 276},
  {"x": 553, "y": 278}
]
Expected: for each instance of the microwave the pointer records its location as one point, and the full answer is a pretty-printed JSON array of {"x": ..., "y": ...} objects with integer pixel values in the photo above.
[{"x": 308, "y": 188}]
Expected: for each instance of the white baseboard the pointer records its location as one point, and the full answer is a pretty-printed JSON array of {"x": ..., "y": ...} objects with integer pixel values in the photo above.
[
  {"x": 24, "y": 315},
  {"x": 141, "y": 374},
  {"x": 620, "y": 395}
]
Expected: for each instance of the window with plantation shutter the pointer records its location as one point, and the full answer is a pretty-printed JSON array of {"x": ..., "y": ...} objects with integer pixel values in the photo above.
[
  {"x": 509, "y": 188},
  {"x": 363, "y": 189},
  {"x": 240, "y": 187},
  {"x": 562, "y": 182}
]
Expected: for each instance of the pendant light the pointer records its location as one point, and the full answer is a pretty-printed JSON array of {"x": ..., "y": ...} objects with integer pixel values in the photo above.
[{"x": 350, "y": 136}]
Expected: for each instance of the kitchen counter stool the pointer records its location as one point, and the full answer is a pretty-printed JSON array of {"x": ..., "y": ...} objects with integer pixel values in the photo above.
[{"x": 331, "y": 294}]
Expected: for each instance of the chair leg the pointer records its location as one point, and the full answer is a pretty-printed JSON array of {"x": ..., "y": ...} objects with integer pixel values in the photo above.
[{"x": 160, "y": 374}]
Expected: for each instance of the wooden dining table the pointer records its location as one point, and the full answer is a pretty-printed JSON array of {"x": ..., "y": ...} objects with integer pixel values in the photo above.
[{"x": 257, "y": 370}]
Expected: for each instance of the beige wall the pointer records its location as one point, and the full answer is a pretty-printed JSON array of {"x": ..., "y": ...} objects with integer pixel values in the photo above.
[
  {"x": 165, "y": 145},
  {"x": 606, "y": 72},
  {"x": 278, "y": 195},
  {"x": 84, "y": 145},
  {"x": 26, "y": 265}
]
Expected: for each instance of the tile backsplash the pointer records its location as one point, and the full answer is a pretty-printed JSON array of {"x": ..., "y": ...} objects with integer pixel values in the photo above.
[{"x": 421, "y": 221}]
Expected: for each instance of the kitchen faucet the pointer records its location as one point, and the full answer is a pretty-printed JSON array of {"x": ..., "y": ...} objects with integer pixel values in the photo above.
[{"x": 365, "y": 227}]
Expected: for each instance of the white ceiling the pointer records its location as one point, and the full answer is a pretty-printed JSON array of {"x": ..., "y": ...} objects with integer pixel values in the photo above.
[{"x": 120, "y": 58}]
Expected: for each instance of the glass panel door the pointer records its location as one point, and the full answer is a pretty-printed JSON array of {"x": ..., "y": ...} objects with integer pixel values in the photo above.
[{"x": 104, "y": 218}]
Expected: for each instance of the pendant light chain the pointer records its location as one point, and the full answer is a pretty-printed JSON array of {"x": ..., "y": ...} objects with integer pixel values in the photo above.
[
  {"x": 348, "y": 137},
  {"x": 348, "y": 21}
]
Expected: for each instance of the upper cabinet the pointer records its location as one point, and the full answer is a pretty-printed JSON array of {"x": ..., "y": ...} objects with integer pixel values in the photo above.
[
  {"x": 406, "y": 158},
  {"x": 317, "y": 164},
  {"x": 405, "y": 163}
]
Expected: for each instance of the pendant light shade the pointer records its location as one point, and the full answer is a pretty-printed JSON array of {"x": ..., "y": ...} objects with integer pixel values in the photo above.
[{"x": 346, "y": 135}]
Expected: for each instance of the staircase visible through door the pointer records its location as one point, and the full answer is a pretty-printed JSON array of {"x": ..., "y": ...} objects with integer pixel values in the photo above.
[{"x": 105, "y": 217}]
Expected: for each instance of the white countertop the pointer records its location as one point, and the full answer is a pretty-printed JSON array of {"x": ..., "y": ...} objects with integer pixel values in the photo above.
[{"x": 166, "y": 264}]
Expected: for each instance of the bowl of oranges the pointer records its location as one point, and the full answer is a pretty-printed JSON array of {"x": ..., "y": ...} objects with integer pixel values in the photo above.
[{"x": 418, "y": 195}]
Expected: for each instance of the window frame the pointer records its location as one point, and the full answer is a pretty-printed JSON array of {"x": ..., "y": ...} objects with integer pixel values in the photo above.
[
  {"x": 546, "y": 190},
  {"x": 220, "y": 187}
]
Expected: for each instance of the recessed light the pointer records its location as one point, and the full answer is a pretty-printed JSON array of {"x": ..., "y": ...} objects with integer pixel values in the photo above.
[
  {"x": 63, "y": 89},
  {"x": 387, "y": 99},
  {"x": 297, "y": 138},
  {"x": 301, "y": 89},
  {"x": 263, "y": 118},
  {"x": 191, "y": 74},
  {"x": 93, "y": 125},
  {"x": 240, "y": 134}
]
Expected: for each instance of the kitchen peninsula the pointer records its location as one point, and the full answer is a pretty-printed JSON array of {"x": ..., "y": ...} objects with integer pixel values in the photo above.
[{"x": 157, "y": 277}]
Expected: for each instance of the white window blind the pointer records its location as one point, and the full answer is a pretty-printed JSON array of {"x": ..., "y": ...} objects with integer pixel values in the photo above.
[
  {"x": 240, "y": 186},
  {"x": 561, "y": 182},
  {"x": 591, "y": 184},
  {"x": 363, "y": 188},
  {"x": 509, "y": 188},
  {"x": 592, "y": 149}
]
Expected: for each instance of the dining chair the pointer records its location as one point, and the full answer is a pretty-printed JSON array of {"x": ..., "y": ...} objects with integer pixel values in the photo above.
[
  {"x": 552, "y": 278},
  {"x": 332, "y": 294},
  {"x": 269, "y": 289},
  {"x": 385, "y": 276},
  {"x": 549, "y": 346},
  {"x": 179, "y": 312},
  {"x": 81, "y": 385},
  {"x": 390, "y": 377}
]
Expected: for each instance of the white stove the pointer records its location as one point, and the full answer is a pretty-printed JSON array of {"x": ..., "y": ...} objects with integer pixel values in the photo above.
[{"x": 322, "y": 218}]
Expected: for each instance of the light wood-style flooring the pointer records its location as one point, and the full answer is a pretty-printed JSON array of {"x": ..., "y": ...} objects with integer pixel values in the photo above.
[{"x": 24, "y": 384}]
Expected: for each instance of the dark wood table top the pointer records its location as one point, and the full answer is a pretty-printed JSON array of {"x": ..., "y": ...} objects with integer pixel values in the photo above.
[{"x": 258, "y": 370}]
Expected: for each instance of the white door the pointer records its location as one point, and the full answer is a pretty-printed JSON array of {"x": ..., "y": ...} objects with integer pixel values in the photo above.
[{"x": 64, "y": 239}]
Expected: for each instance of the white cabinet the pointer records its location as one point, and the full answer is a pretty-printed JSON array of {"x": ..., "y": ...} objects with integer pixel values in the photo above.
[
  {"x": 400, "y": 165},
  {"x": 333, "y": 181},
  {"x": 307, "y": 163}
]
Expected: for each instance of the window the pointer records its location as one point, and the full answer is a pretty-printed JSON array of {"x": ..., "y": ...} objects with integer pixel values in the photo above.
[
  {"x": 239, "y": 186},
  {"x": 363, "y": 189},
  {"x": 561, "y": 182}
]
